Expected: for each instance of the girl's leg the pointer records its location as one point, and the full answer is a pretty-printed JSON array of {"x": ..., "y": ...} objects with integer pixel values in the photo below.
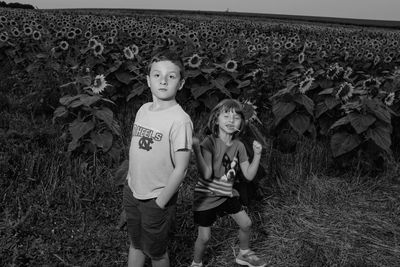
[
  {"x": 136, "y": 257},
  {"x": 244, "y": 222},
  {"x": 204, "y": 234},
  {"x": 163, "y": 262}
]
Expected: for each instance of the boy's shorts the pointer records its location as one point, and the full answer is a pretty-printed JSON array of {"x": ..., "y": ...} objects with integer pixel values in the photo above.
[
  {"x": 206, "y": 218},
  {"x": 148, "y": 225}
]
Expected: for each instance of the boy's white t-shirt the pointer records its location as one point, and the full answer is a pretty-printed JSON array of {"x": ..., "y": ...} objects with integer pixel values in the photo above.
[{"x": 156, "y": 136}]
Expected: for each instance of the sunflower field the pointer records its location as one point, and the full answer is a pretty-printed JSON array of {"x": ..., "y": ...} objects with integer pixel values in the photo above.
[{"x": 323, "y": 99}]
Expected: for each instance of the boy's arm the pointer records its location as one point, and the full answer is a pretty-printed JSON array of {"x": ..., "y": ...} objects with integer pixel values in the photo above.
[
  {"x": 175, "y": 179},
  {"x": 203, "y": 159},
  {"x": 249, "y": 170}
]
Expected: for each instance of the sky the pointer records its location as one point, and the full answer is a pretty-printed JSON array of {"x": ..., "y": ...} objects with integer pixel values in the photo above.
[{"x": 359, "y": 9}]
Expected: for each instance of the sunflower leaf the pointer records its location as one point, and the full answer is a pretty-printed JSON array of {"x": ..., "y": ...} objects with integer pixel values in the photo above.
[
  {"x": 106, "y": 115},
  {"x": 282, "y": 109},
  {"x": 343, "y": 142},
  {"x": 124, "y": 77},
  {"x": 361, "y": 122},
  {"x": 381, "y": 136},
  {"x": 299, "y": 122},
  {"x": 102, "y": 140},
  {"x": 80, "y": 128}
]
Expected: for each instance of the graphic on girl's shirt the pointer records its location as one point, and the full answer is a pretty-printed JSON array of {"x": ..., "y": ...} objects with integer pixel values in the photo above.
[
  {"x": 230, "y": 168},
  {"x": 148, "y": 136}
]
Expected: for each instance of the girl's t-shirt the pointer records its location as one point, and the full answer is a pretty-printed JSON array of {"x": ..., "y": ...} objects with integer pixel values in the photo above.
[{"x": 225, "y": 165}]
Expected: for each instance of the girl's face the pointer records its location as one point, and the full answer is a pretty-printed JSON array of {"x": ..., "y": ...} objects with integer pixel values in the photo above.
[{"x": 229, "y": 122}]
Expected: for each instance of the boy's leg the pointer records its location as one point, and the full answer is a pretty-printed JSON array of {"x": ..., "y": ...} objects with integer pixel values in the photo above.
[
  {"x": 244, "y": 222},
  {"x": 136, "y": 258},
  {"x": 157, "y": 224},
  {"x": 204, "y": 234}
]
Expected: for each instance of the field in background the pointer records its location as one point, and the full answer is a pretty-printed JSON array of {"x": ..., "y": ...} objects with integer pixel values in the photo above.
[
  {"x": 261, "y": 16},
  {"x": 63, "y": 210}
]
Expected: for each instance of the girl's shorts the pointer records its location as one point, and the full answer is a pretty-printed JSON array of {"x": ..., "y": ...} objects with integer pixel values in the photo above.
[
  {"x": 206, "y": 218},
  {"x": 149, "y": 226}
]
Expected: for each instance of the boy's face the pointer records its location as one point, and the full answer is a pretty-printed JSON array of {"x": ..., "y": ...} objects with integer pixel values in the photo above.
[{"x": 164, "y": 80}]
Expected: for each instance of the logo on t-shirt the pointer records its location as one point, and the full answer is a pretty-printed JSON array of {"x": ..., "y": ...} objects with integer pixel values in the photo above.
[
  {"x": 148, "y": 136},
  {"x": 230, "y": 167}
]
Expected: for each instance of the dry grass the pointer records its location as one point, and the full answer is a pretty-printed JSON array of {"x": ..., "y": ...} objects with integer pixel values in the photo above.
[{"x": 61, "y": 212}]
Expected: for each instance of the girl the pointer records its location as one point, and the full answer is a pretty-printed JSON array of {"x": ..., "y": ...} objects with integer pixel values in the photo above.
[{"x": 219, "y": 157}]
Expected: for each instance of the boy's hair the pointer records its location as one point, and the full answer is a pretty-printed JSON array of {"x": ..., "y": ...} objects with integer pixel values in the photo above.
[
  {"x": 225, "y": 105},
  {"x": 168, "y": 55}
]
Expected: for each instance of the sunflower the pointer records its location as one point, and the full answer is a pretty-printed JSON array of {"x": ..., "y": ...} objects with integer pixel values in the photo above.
[
  {"x": 78, "y": 31},
  {"x": 389, "y": 99},
  {"x": 135, "y": 49},
  {"x": 3, "y": 38},
  {"x": 347, "y": 73},
  {"x": 231, "y": 65},
  {"x": 289, "y": 45},
  {"x": 309, "y": 72},
  {"x": 349, "y": 107},
  {"x": 64, "y": 45},
  {"x": 16, "y": 32},
  {"x": 251, "y": 48},
  {"x": 346, "y": 55},
  {"x": 371, "y": 83},
  {"x": 276, "y": 45},
  {"x": 28, "y": 31},
  {"x": 369, "y": 55},
  {"x": 249, "y": 111},
  {"x": 36, "y": 35},
  {"x": 71, "y": 35},
  {"x": 388, "y": 59},
  {"x": 114, "y": 32},
  {"x": 333, "y": 71},
  {"x": 301, "y": 57},
  {"x": 110, "y": 40},
  {"x": 195, "y": 61},
  {"x": 377, "y": 59},
  {"x": 98, "y": 49},
  {"x": 59, "y": 34},
  {"x": 128, "y": 53},
  {"x": 345, "y": 91},
  {"x": 305, "y": 84},
  {"x": 277, "y": 57},
  {"x": 92, "y": 43},
  {"x": 99, "y": 84},
  {"x": 88, "y": 34}
]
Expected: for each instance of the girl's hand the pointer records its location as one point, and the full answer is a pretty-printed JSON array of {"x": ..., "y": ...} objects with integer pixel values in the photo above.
[{"x": 257, "y": 148}]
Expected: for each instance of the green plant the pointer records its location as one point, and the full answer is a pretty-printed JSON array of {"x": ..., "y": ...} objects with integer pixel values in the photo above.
[{"x": 88, "y": 118}]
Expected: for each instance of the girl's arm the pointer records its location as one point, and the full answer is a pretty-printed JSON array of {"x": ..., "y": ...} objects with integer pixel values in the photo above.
[
  {"x": 203, "y": 159},
  {"x": 249, "y": 170}
]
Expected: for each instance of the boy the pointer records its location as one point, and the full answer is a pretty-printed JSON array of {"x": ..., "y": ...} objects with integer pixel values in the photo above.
[{"x": 158, "y": 158}]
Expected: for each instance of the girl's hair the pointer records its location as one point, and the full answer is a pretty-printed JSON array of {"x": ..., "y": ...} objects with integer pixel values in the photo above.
[
  {"x": 225, "y": 105},
  {"x": 168, "y": 55}
]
